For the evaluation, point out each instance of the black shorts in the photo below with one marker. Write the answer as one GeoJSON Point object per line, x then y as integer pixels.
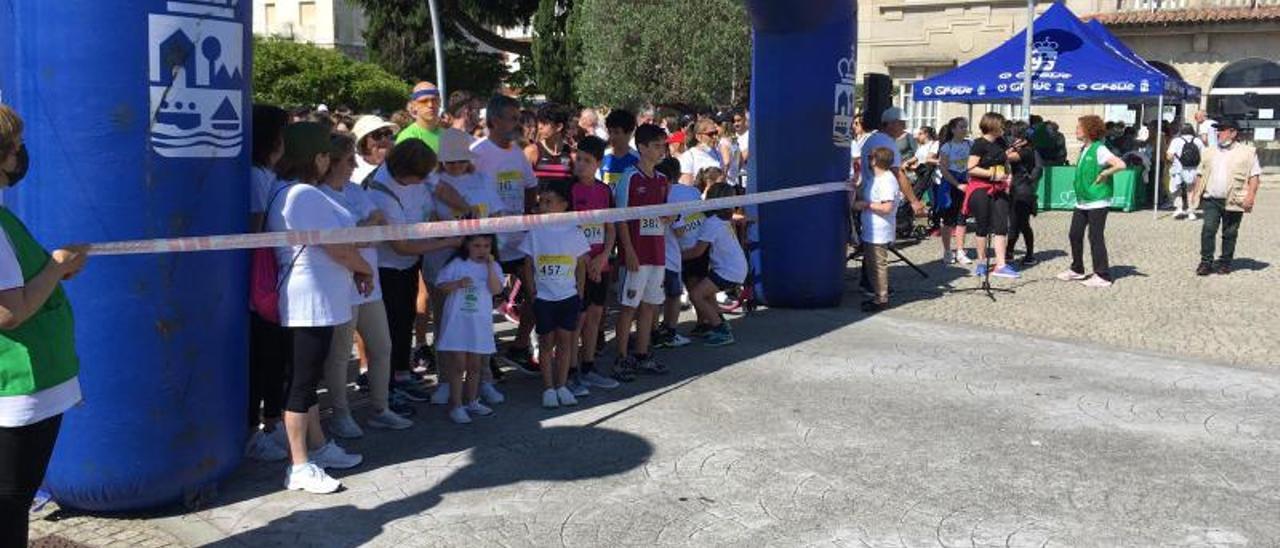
{"type": "Point", "coordinates": [721, 283]}
{"type": "Point", "coordinates": [596, 293]}
{"type": "Point", "coordinates": [514, 268]}
{"type": "Point", "coordinates": [693, 270]}
{"type": "Point", "coordinates": [990, 212]}
{"type": "Point", "coordinates": [671, 285]}
{"type": "Point", "coordinates": [553, 315]}
{"type": "Point", "coordinates": [952, 216]}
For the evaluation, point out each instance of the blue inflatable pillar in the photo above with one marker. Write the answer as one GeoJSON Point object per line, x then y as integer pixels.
{"type": "Point", "coordinates": [136, 120]}
{"type": "Point", "coordinates": [802, 98]}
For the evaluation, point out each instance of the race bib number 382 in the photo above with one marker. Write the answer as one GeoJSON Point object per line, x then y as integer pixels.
{"type": "Point", "coordinates": [651, 226]}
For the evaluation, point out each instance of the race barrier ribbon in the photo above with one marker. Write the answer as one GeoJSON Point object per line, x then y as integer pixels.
{"type": "Point", "coordinates": [448, 229]}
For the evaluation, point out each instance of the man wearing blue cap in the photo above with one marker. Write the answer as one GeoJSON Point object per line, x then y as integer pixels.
{"type": "Point", "coordinates": [424, 104]}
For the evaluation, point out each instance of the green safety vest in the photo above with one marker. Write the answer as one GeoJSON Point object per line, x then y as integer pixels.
{"type": "Point", "coordinates": [41, 353]}
{"type": "Point", "coordinates": [1086, 172]}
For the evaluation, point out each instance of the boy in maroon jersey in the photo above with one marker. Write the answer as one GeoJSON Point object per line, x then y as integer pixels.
{"type": "Point", "coordinates": [642, 244]}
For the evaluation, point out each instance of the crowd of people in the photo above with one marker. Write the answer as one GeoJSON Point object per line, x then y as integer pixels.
{"type": "Point", "coordinates": [418, 309]}
{"type": "Point", "coordinates": [990, 184]}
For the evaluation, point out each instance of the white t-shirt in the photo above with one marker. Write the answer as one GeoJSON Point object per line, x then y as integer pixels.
{"type": "Point", "coordinates": [467, 322]}
{"type": "Point", "coordinates": [727, 258]}
{"type": "Point", "coordinates": [261, 181]}
{"type": "Point", "coordinates": [879, 229]}
{"type": "Point", "coordinates": [1220, 180]}
{"type": "Point", "coordinates": [480, 193]}
{"type": "Point", "coordinates": [1104, 156]}
{"type": "Point", "coordinates": [403, 204]}
{"type": "Point", "coordinates": [1206, 128]}
{"type": "Point", "coordinates": [955, 154]}
{"type": "Point", "coordinates": [1175, 150]}
{"type": "Point", "coordinates": [695, 160]}
{"type": "Point", "coordinates": [29, 409]}
{"type": "Point", "coordinates": [922, 158]}
{"type": "Point", "coordinates": [555, 251]}
{"type": "Point", "coordinates": [317, 291]}
{"type": "Point", "coordinates": [355, 200]}
{"type": "Point", "coordinates": [679, 193]}
{"type": "Point", "coordinates": [878, 140]}
{"type": "Point", "coordinates": [363, 169]}
{"type": "Point", "coordinates": [514, 175]}
{"type": "Point", "coordinates": [744, 141]}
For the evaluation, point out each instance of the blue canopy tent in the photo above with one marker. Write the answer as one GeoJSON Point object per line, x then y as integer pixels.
{"type": "Point", "coordinates": [1071, 62]}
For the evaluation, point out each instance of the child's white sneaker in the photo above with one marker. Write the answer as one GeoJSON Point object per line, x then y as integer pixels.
{"type": "Point", "coordinates": [550, 400]}
{"type": "Point", "coordinates": [459, 415]}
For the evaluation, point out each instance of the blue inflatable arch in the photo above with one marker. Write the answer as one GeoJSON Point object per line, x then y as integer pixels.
{"type": "Point", "coordinates": [137, 117]}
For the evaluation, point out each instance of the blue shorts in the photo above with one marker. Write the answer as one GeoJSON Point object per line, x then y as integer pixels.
{"type": "Point", "coordinates": [721, 283]}
{"type": "Point", "coordinates": [671, 285]}
{"type": "Point", "coordinates": [552, 315]}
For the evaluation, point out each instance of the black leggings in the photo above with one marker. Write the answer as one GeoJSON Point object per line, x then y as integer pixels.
{"type": "Point", "coordinates": [24, 458]}
{"type": "Point", "coordinates": [1021, 226]}
{"type": "Point", "coordinates": [310, 350]}
{"type": "Point", "coordinates": [400, 295]}
{"type": "Point", "coordinates": [268, 358]}
{"type": "Point", "coordinates": [1096, 220]}
{"type": "Point", "coordinates": [990, 213]}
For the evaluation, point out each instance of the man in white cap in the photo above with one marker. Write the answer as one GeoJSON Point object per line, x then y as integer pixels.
{"type": "Point", "coordinates": [374, 137]}
{"type": "Point", "coordinates": [892, 126]}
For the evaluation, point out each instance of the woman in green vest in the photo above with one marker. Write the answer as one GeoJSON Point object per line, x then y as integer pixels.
{"type": "Point", "coordinates": [1094, 190]}
{"type": "Point", "coordinates": [38, 363]}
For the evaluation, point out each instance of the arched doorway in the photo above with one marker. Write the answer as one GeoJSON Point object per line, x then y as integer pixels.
{"type": "Point", "coordinates": [1248, 91]}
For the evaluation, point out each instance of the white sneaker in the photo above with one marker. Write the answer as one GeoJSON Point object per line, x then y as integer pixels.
{"type": "Point", "coordinates": [1069, 275]}
{"type": "Point", "coordinates": [261, 448]}
{"type": "Point", "coordinates": [1191, 216]}
{"type": "Point", "coordinates": [389, 420]}
{"type": "Point", "coordinates": [310, 478]}
{"type": "Point", "coordinates": [441, 395]}
{"type": "Point", "coordinates": [1097, 282]}
{"type": "Point", "coordinates": [491, 394]}
{"type": "Point", "coordinates": [596, 380]}
{"type": "Point", "coordinates": [565, 396]}
{"type": "Point", "coordinates": [948, 257]}
{"type": "Point", "coordinates": [478, 409]}
{"type": "Point", "coordinates": [962, 257]}
{"type": "Point", "coordinates": [345, 427]}
{"type": "Point", "coordinates": [459, 415]}
{"type": "Point", "coordinates": [331, 456]}
{"type": "Point", "coordinates": [679, 340]}
{"type": "Point", "coordinates": [550, 399]}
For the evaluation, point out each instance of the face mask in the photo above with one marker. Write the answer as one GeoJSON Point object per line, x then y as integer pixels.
{"type": "Point", "coordinates": [1225, 143]}
{"type": "Point", "coordinates": [19, 172]}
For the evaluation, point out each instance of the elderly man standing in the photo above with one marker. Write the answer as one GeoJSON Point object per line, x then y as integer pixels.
{"type": "Point", "coordinates": [424, 104]}
{"type": "Point", "coordinates": [1228, 184]}
{"type": "Point", "coordinates": [589, 121]}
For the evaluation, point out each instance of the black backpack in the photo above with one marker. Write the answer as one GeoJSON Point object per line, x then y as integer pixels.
{"type": "Point", "coordinates": [1190, 155]}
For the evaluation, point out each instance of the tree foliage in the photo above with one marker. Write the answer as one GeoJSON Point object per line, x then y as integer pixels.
{"type": "Point", "coordinates": [662, 52]}
{"type": "Point", "coordinates": [552, 59]}
{"type": "Point", "coordinates": [399, 38]}
{"type": "Point", "coordinates": [289, 73]}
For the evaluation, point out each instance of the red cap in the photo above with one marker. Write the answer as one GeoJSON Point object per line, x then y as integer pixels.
{"type": "Point", "coordinates": [677, 137]}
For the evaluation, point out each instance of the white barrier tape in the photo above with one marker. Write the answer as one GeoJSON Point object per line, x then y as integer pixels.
{"type": "Point", "coordinates": [448, 229]}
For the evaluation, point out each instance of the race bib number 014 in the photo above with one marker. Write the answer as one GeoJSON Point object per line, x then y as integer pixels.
{"type": "Point", "coordinates": [594, 233]}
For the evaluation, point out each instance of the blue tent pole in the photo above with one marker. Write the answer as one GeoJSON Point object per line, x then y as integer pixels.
{"type": "Point", "coordinates": [1159, 154]}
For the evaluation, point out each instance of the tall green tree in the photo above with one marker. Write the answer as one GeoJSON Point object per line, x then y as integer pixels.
{"type": "Point", "coordinates": [289, 73]}
{"type": "Point", "coordinates": [552, 59]}
{"type": "Point", "coordinates": [673, 52]}
{"type": "Point", "coordinates": [399, 38]}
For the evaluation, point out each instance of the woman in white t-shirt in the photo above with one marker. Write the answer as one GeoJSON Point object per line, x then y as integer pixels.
{"type": "Point", "coordinates": [39, 371]}
{"type": "Point", "coordinates": [317, 286]}
{"type": "Point", "coordinates": [369, 315]}
{"type": "Point", "coordinates": [702, 155]}
{"type": "Point", "coordinates": [730, 153]}
{"type": "Point", "coordinates": [469, 281]}
{"type": "Point", "coordinates": [953, 164]}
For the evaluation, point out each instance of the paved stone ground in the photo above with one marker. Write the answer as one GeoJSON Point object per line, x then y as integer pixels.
{"type": "Point", "coordinates": [840, 430]}
{"type": "Point", "coordinates": [1157, 303]}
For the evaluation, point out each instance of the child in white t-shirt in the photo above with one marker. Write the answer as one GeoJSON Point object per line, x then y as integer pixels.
{"type": "Point", "coordinates": [726, 268]}
{"type": "Point", "coordinates": [469, 280]}
{"type": "Point", "coordinates": [557, 262]}
{"type": "Point", "coordinates": [878, 204]}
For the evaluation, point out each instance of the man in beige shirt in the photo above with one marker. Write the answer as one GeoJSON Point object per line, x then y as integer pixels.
{"type": "Point", "coordinates": [1227, 185]}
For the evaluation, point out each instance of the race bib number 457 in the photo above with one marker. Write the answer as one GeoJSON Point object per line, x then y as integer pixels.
{"type": "Point", "coordinates": [552, 267]}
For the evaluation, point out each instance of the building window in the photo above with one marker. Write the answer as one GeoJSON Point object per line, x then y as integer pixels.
{"type": "Point", "coordinates": [269, 16]}
{"type": "Point", "coordinates": [919, 114]}
{"type": "Point", "coordinates": [307, 19]}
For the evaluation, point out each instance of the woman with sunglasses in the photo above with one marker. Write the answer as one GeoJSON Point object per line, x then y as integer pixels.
{"type": "Point", "coordinates": [374, 138]}
{"type": "Point", "coordinates": [704, 153]}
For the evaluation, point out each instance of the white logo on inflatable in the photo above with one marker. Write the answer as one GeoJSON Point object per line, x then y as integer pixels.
{"type": "Point", "coordinates": [842, 110]}
{"type": "Point", "coordinates": [197, 80]}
